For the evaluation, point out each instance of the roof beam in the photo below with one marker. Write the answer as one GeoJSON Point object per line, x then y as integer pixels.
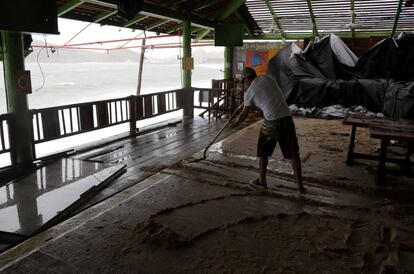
{"type": "Point", "coordinates": [312, 15]}
{"type": "Point", "coordinates": [397, 18]}
{"type": "Point", "coordinates": [107, 4]}
{"type": "Point", "coordinates": [229, 9]}
{"type": "Point", "coordinates": [196, 30]}
{"type": "Point", "coordinates": [202, 34]}
{"type": "Point", "coordinates": [158, 12]}
{"type": "Point", "coordinates": [299, 36]}
{"type": "Point", "coordinates": [202, 4]}
{"type": "Point", "coordinates": [245, 24]}
{"type": "Point", "coordinates": [156, 24]}
{"type": "Point", "coordinates": [138, 17]}
{"type": "Point", "coordinates": [65, 8]}
{"type": "Point", "coordinates": [169, 3]}
{"type": "Point", "coordinates": [162, 13]}
{"type": "Point", "coordinates": [173, 28]}
{"type": "Point", "coordinates": [275, 18]}
{"type": "Point", "coordinates": [103, 15]}
{"type": "Point", "coordinates": [353, 16]}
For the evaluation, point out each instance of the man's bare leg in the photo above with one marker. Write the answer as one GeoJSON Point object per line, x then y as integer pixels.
{"type": "Point", "coordinates": [263, 161]}
{"type": "Point", "coordinates": [297, 171]}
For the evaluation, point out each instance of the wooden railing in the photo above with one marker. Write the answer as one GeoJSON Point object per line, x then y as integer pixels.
{"type": "Point", "coordinates": [5, 120]}
{"type": "Point", "coordinates": [154, 104]}
{"type": "Point", "coordinates": [223, 98]}
{"type": "Point", "coordinates": [64, 121]}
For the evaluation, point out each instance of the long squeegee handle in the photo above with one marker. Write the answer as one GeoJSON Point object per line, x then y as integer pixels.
{"type": "Point", "coordinates": [221, 130]}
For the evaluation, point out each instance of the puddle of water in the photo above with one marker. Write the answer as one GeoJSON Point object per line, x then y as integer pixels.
{"type": "Point", "coordinates": [28, 203]}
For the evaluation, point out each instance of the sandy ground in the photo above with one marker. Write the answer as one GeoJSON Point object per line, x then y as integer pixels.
{"type": "Point", "coordinates": [202, 217]}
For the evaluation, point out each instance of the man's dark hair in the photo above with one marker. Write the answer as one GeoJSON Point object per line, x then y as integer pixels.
{"type": "Point", "coordinates": [248, 72]}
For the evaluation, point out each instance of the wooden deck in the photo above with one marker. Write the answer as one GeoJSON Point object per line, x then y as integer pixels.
{"type": "Point", "coordinates": [149, 153]}
{"type": "Point", "coordinates": [124, 160]}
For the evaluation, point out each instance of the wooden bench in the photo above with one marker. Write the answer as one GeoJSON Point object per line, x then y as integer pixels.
{"type": "Point", "coordinates": [383, 128]}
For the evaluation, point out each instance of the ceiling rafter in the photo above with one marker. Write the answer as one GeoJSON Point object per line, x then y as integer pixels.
{"type": "Point", "coordinates": [229, 9]}
{"type": "Point", "coordinates": [296, 17]}
{"type": "Point", "coordinates": [353, 17]}
{"type": "Point", "coordinates": [202, 5]}
{"type": "Point", "coordinates": [103, 15]}
{"type": "Point", "coordinates": [245, 24]}
{"type": "Point", "coordinates": [161, 22]}
{"type": "Point", "coordinates": [173, 28]}
{"type": "Point", "coordinates": [302, 35]}
{"type": "Point", "coordinates": [275, 18]}
{"type": "Point", "coordinates": [225, 12]}
{"type": "Point", "coordinates": [149, 10]}
{"type": "Point", "coordinates": [312, 15]}
{"type": "Point", "coordinates": [140, 17]}
{"type": "Point", "coordinates": [397, 17]}
{"type": "Point", "coordinates": [156, 24]}
{"type": "Point", "coordinates": [68, 7]}
{"type": "Point", "coordinates": [163, 13]}
{"type": "Point", "coordinates": [202, 34]}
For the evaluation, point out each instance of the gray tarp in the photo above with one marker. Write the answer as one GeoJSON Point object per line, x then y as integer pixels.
{"type": "Point", "coordinates": [327, 72]}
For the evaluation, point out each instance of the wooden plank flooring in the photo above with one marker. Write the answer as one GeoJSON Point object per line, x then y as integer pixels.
{"type": "Point", "coordinates": [147, 154]}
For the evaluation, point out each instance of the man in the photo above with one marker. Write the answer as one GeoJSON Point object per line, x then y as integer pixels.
{"type": "Point", "coordinates": [264, 92]}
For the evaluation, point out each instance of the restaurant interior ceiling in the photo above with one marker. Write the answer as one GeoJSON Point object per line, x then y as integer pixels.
{"type": "Point", "coordinates": [261, 19]}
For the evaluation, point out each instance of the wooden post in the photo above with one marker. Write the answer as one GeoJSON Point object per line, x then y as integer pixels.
{"type": "Point", "coordinates": [141, 65]}
{"type": "Point", "coordinates": [21, 132]}
{"type": "Point", "coordinates": [186, 80]}
{"type": "Point", "coordinates": [132, 115]}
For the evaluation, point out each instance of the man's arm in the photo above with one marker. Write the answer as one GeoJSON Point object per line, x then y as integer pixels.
{"type": "Point", "coordinates": [242, 116]}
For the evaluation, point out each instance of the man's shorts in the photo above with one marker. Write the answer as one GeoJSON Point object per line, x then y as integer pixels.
{"type": "Point", "coordinates": [282, 130]}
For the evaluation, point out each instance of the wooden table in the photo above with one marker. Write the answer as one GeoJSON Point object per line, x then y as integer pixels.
{"type": "Point", "coordinates": [405, 134]}
{"type": "Point", "coordinates": [385, 129]}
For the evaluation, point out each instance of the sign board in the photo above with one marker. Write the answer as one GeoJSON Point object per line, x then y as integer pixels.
{"type": "Point", "coordinates": [23, 82]}
{"type": "Point", "coordinates": [29, 16]}
{"type": "Point", "coordinates": [188, 63]}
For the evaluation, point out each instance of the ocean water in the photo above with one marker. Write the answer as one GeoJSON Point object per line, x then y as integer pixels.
{"type": "Point", "coordinates": [68, 83]}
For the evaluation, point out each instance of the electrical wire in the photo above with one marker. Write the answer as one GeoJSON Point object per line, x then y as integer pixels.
{"type": "Point", "coordinates": [46, 46]}
{"type": "Point", "coordinates": [41, 70]}
{"type": "Point", "coordinates": [40, 67]}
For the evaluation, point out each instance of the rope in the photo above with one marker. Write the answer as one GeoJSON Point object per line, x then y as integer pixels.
{"type": "Point", "coordinates": [121, 40]}
{"type": "Point", "coordinates": [76, 35]}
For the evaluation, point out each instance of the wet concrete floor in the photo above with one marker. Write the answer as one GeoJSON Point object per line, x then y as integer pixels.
{"type": "Point", "coordinates": [202, 217]}
{"type": "Point", "coordinates": [26, 204]}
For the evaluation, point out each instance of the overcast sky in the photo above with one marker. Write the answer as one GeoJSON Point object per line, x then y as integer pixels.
{"type": "Point", "coordinates": [95, 32]}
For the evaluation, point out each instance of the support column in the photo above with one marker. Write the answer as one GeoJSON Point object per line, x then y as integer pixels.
{"type": "Point", "coordinates": [228, 62]}
{"type": "Point", "coordinates": [22, 151]}
{"type": "Point", "coordinates": [141, 66]}
{"type": "Point", "coordinates": [186, 80]}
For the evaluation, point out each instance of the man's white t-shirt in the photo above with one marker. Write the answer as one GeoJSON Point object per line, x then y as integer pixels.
{"type": "Point", "coordinates": [265, 93]}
